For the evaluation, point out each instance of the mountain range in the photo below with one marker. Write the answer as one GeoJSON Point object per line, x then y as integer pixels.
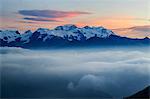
{"type": "Point", "coordinates": [67, 36]}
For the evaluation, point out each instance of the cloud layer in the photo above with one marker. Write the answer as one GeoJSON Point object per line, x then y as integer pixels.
{"type": "Point", "coordinates": [49, 15]}
{"type": "Point", "coordinates": [72, 73]}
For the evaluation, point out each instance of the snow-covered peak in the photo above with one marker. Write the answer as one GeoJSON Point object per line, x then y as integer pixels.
{"type": "Point", "coordinates": [9, 35]}
{"type": "Point", "coordinates": [87, 27]}
{"type": "Point", "coordinates": [27, 32]}
{"type": "Point", "coordinates": [66, 27]}
{"type": "Point", "coordinates": [42, 30]}
{"type": "Point", "coordinates": [96, 31]}
{"type": "Point", "coordinates": [25, 36]}
{"type": "Point", "coordinates": [71, 32]}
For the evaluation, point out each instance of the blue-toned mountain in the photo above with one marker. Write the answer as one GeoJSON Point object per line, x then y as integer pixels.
{"type": "Point", "coordinates": [67, 36]}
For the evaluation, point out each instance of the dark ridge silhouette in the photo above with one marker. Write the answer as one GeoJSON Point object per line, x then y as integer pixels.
{"type": "Point", "coordinates": [143, 94]}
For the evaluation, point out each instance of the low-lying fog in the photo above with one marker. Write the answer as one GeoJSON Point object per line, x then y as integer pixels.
{"type": "Point", "coordinates": [73, 73]}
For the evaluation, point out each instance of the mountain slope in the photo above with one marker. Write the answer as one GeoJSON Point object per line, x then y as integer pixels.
{"type": "Point", "coordinates": [143, 94]}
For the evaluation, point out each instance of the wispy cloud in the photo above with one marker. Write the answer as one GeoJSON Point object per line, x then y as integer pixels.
{"type": "Point", "coordinates": [134, 32]}
{"type": "Point", "coordinates": [49, 15]}
{"type": "Point", "coordinates": [41, 19]}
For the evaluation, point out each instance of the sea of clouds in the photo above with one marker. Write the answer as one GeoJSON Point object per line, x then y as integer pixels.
{"type": "Point", "coordinates": [73, 73]}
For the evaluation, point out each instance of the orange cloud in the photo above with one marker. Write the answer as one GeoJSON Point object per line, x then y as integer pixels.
{"type": "Point", "coordinates": [48, 15]}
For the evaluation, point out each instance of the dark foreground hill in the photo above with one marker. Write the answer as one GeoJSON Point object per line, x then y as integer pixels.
{"type": "Point", "coordinates": [143, 94]}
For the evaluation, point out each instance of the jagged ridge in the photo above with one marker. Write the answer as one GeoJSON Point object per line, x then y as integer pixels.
{"type": "Point", "coordinates": [67, 35]}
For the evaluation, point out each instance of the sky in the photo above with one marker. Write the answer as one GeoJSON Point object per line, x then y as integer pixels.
{"type": "Point", "coordinates": [112, 14]}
